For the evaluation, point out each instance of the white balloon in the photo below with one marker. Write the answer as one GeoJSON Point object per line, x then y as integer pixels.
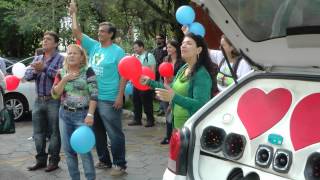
{"type": "Point", "coordinates": [18, 69]}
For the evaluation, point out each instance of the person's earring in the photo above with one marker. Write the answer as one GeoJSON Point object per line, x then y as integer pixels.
{"type": "Point", "coordinates": [198, 56]}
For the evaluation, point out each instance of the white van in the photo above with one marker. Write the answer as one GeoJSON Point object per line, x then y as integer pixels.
{"type": "Point", "coordinates": [265, 126]}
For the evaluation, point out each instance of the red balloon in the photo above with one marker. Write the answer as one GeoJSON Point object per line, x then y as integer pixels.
{"type": "Point", "coordinates": [166, 69]}
{"type": "Point", "coordinates": [136, 83]}
{"type": "Point", "coordinates": [146, 71]}
{"type": "Point", "coordinates": [130, 67]}
{"type": "Point", "coordinates": [12, 82]}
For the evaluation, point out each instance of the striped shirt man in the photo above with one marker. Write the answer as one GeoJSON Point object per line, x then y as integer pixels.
{"type": "Point", "coordinates": [44, 80]}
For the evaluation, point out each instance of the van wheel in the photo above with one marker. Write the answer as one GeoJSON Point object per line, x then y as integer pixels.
{"type": "Point", "coordinates": [18, 104]}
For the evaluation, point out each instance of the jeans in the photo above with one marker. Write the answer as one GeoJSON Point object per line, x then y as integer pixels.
{"type": "Point", "coordinates": [145, 99]}
{"type": "Point", "coordinates": [45, 121]}
{"type": "Point", "coordinates": [111, 119]}
{"type": "Point", "coordinates": [69, 122]}
{"type": "Point", "coordinates": [101, 139]}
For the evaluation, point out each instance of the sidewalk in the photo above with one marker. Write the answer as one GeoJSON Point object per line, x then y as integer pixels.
{"type": "Point", "coordinates": [161, 120]}
{"type": "Point", "coordinates": [147, 159]}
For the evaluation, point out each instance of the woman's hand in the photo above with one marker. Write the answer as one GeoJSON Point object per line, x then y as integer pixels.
{"type": "Point", "coordinates": [165, 94]}
{"type": "Point", "coordinates": [70, 76]}
{"type": "Point", "coordinates": [185, 29]}
{"type": "Point", "coordinates": [88, 120]}
{"type": "Point", "coordinates": [144, 80]}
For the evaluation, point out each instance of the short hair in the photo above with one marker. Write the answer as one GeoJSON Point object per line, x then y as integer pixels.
{"type": "Point", "coordinates": [111, 28]}
{"type": "Point", "coordinates": [53, 34]}
{"type": "Point", "coordinates": [139, 43]}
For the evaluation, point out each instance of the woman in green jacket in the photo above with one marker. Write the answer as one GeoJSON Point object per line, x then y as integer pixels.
{"type": "Point", "coordinates": [194, 83]}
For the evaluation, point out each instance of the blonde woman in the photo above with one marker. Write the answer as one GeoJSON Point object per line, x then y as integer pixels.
{"type": "Point", "coordinates": [76, 84]}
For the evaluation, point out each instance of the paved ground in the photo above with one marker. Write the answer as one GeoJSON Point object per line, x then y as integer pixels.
{"type": "Point", "coordinates": [147, 159]}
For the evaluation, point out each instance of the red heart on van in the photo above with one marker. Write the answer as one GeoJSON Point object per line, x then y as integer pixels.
{"type": "Point", "coordinates": [305, 122]}
{"type": "Point", "coordinates": [259, 111]}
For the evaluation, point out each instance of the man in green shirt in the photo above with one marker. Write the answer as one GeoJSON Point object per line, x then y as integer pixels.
{"type": "Point", "coordinates": [104, 57]}
{"type": "Point", "coordinates": [143, 98]}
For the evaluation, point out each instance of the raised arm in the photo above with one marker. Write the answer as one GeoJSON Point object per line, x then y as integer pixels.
{"type": "Point", "coordinates": [75, 26]}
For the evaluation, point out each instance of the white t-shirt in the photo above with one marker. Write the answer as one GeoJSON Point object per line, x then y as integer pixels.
{"type": "Point", "coordinates": [217, 56]}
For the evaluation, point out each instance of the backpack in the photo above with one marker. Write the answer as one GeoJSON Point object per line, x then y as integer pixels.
{"type": "Point", "coordinates": [6, 121]}
{"type": "Point", "coordinates": [146, 57]}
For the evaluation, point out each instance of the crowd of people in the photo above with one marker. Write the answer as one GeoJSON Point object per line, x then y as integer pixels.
{"type": "Point", "coordinates": [85, 88]}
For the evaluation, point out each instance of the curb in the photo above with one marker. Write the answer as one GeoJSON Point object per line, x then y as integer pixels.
{"type": "Point", "coordinates": [128, 115]}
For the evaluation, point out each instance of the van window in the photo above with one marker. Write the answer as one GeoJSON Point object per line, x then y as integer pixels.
{"type": "Point", "coordinates": [261, 20]}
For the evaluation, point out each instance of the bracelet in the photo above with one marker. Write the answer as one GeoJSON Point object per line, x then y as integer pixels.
{"type": "Point", "coordinates": [90, 115]}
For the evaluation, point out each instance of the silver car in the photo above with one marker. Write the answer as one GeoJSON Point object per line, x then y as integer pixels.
{"type": "Point", "coordinates": [20, 100]}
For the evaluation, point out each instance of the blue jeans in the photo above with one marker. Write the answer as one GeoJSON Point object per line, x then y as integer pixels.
{"type": "Point", "coordinates": [45, 121]}
{"type": "Point", "coordinates": [69, 122]}
{"type": "Point", "coordinates": [101, 140]}
{"type": "Point", "coordinates": [111, 119]}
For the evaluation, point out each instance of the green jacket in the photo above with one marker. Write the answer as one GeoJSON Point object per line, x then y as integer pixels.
{"type": "Point", "coordinates": [199, 91]}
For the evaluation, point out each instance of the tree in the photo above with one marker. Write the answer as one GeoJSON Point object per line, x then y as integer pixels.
{"type": "Point", "coordinates": [24, 21]}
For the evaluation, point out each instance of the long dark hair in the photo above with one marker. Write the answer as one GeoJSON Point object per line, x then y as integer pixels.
{"type": "Point", "coordinates": [176, 45]}
{"type": "Point", "coordinates": [179, 61]}
{"type": "Point", "coordinates": [204, 58]}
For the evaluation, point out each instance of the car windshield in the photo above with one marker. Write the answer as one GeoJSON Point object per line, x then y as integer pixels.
{"type": "Point", "coordinates": [10, 63]}
{"type": "Point", "coordinates": [265, 19]}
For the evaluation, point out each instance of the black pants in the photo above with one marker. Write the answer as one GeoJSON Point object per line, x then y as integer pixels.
{"type": "Point", "coordinates": [145, 99]}
{"type": "Point", "coordinates": [168, 115]}
{"type": "Point", "coordinates": [169, 124]}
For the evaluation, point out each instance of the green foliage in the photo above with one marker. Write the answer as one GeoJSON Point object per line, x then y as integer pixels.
{"type": "Point", "coordinates": [24, 21]}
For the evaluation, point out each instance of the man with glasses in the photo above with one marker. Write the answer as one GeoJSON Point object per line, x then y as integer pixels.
{"type": "Point", "coordinates": [104, 57]}
{"type": "Point", "coordinates": [160, 52]}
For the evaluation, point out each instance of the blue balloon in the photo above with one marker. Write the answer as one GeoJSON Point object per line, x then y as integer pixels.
{"type": "Point", "coordinates": [197, 29]}
{"type": "Point", "coordinates": [82, 140]}
{"type": "Point", "coordinates": [185, 15]}
{"type": "Point", "coordinates": [129, 89]}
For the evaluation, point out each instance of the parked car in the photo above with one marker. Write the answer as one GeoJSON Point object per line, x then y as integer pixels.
{"type": "Point", "coordinates": [266, 125]}
{"type": "Point", "coordinates": [20, 100]}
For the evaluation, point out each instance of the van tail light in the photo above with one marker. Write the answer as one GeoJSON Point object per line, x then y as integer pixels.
{"type": "Point", "coordinates": [178, 153]}
{"type": "Point", "coordinates": [174, 145]}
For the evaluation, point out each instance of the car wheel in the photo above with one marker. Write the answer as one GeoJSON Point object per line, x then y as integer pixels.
{"type": "Point", "coordinates": [18, 104]}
